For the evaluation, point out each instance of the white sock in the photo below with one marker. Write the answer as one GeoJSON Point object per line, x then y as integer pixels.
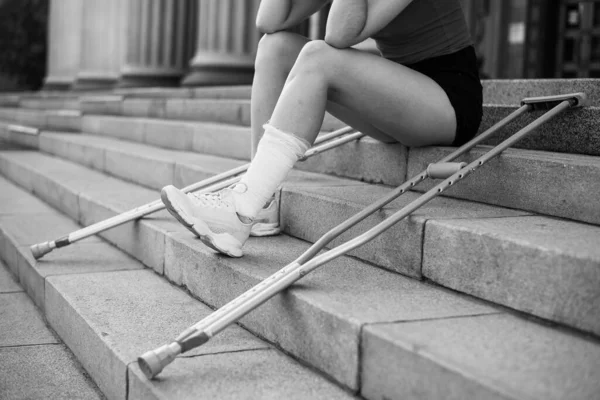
{"type": "Point", "coordinates": [275, 156]}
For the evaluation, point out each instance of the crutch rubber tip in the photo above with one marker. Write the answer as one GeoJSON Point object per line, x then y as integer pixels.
{"type": "Point", "coordinates": [153, 362]}
{"type": "Point", "coordinates": [40, 249]}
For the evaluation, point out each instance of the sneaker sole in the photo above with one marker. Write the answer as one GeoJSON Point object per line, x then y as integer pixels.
{"type": "Point", "coordinates": [221, 242]}
{"type": "Point", "coordinates": [261, 229]}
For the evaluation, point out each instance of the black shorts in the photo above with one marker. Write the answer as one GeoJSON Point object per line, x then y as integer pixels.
{"type": "Point", "coordinates": [457, 74]}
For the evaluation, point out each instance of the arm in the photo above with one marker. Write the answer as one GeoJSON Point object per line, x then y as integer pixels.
{"type": "Point", "coordinates": [278, 15]}
{"type": "Point", "coordinates": [352, 21]}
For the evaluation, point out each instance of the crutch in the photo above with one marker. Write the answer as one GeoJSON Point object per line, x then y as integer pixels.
{"type": "Point", "coordinates": [153, 362]}
{"type": "Point", "coordinates": [217, 182]}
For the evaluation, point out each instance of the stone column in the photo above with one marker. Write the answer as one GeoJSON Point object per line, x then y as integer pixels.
{"type": "Point", "coordinates": [226, 43]}
{"type": "Point", "coordinates": [159, 43]}
{"type": "Point", "coordinates": [64, 43]}
{"type": "Point", "coordinates": [101, 44]}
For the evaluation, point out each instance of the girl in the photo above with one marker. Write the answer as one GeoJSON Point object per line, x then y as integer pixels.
{"type": "Point", "coordinates": [422, 90]}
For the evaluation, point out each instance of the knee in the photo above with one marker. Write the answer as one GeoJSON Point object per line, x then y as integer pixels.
{"type": "Point", "coordinates": [316, 57]}
{"type": "Point", "coordinates": [275, 48]}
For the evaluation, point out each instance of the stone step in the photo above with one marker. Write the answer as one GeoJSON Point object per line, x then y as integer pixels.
{"type": "Point", "coordinates": [519, 246]}
{"type": "Point", "coordinates": [495, 91]}
{"type": "Point", "coordinates": [480, 357]}
{"type": "Point", "coordinates": [314, 314]}
{"type": "Point", "coordinates": [212, 92]}
{"type": "Point", "coordinates": [555, 184]}
{"type": "Point", "coordinates": [71, 100]}
{"type": "Point", "coordinates": [50, 103]}
{"type": "Point", "coordinates": [531, 263]}
{"type": "Point", "coordinates": [62, 120]}
{"type": "Point", "coordinates": [327, 320]}
{"type": "Point", "coordinates": [10, 99]}
{"type": "Point", "coordinates": [548, 183]}
{"type": "Point", "coordinates": [571, 132]}
{"type": "Point", "coordinates": [203, 137]}
{"type": "Point", "coordinates": [35, 363]}
{"type": "Point", "coordinates": [512, 91]}
{"type": "Point", "coordinates": [133, 161]}
{"type": "Point", "coordinates": [221, 110]}
{"type": "Point", "coordinates": [109, 310]}
{"type": "Point", "coordinates": [574, 131]}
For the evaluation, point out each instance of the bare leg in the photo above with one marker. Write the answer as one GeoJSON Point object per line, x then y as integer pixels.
{"type": "Point", "coordinates": [394, 100]}
{"type": "Point", "coordinates": [276, 56]}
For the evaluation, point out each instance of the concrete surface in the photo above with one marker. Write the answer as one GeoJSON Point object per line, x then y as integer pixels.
{"type": "Point", "coordinates": [81, 149]}
{"type": "Point", "coordinates": [8, 281]}
{"type": "Point", "coordinates": [75, 259]}
{"type": "Point", "coordinates": [127, 129]}
{"type": "Point", "coordinates": [319, 320]}
{"type": "Point", "coordinates": [34, 364]}
{"type": "Point", "coordinates": [325, 207]}
{"type": "Point", "coordinates": [543, 266]}
{"type": "Point", "coordinates": [8, 254]}
{"type": "Point", "coordinates": [208, 110]}
{"type": "Point", "coordinates": [258, 374]}
{"type": "Point", "coordinates": [169, 134]}
{"type": "Point", "coordinates": [64, 120]}
{"type": "Point", "coordinates": [21, 116]}
{"type": "Point", "coordinates": [56, 103]}
{"type": "Point", "coordinates": [109, 319]}
{"type": "Point", "coordinates": [43, 372]}
{"type": "Point", "coordinates": [32, 228]}
{"type": "Point", "coordinates": [366, 160]}
{"type": "Point", "coordinates": [140, 238]}
{"type": "Point", "coordinates": [15, 200]}
{"type": "Point", "coordinates": [574, 131]}
{"type": "Point", "coordinates": [109, 105]}
{"type": "Point", "coordinates": [562, 185]}
{"type": "Point", "coordinates": [94, 295]}
{"type": "Point", "coordinates": [21, 323]}
{"type": "Point", "coordinates": [512, 91]}
{"type": "Point", "coordinates": [309, 213]}
{"type": "Point", "coordinates": [491, 357]}
{"type": "Point", "coordinates": [222, 140]}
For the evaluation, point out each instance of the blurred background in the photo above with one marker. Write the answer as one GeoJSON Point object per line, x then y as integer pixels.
{"type": "Point", "coordinates": [87, 45]}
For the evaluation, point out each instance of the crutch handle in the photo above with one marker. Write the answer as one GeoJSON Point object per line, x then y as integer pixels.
{"type": "Point", "coordinates": [547, 102]}
{"type": "Point", "coordinates": [444, 170]}
{"type": "Point", "coordinates": [27, 130]}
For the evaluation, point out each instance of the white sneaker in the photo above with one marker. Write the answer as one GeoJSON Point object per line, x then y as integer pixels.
{"type": "Point", "coordinates": [266, 222]}
{"type": "Point", "coordinates": [211, 216]}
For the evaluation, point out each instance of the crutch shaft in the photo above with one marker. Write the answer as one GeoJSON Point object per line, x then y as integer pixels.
{"type": "Point", "coordinates": [432, 193]}
{"type": "Point", "coordinates": [218, 182]}
{"type": "Point", "coordinates": [328, 146]}
{"type": "Point", "coordinates": [338, 230]}
{"type": "Point", "coordinates": [279, 281]}
{"type": "Point", "coordinates": [203, 330]}
{"type": "Point", "coordinates": [329, 236]}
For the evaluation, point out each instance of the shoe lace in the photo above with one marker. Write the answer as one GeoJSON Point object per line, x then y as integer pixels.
{"type": "Point", "coordinates": [210, 199]}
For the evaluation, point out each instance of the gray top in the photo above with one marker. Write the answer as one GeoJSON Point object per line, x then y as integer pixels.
{"type": "Point", "coordinates": [424, 29]}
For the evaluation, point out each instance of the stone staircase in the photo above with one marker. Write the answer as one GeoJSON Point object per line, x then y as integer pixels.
{"type": "Point", "coordinates": [491, 291]}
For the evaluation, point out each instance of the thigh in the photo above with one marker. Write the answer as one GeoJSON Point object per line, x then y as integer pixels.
{"type": "Point", "coordinates": [391, 99]}
{"type": "Point", "coordinates": [282, 49]}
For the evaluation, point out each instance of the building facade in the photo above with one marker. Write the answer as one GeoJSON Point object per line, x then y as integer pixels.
{"type": "Point", "coordinates": [124, 43]}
